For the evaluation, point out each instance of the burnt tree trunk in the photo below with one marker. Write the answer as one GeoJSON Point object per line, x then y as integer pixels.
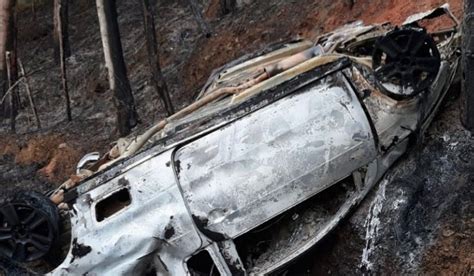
{"type": "Point", "coordinates": [228, 6]}
{"type": "Point", "coordinates": [29, 94]}
{"type": "Point", "coordinates": [6, 8]}
{"type": "Point", "coordinates": [199, 18]}
{"type": "Point", "coordinates": [33, 9]}
{"type": "Point", "coordinates": [12, 47]}
{"type": "Point", "coordinates": [61, 35]}
{"type": "Point", "coordinates": [8, 45]}
{"type": "Point", "coordinates": [468, 66]}
{"type": "Point", "coordinates": [114, 62]}
{"type": "Point", "coordinates": [11, 89]}
{"type": "Point", "coordinates": [154, 58]}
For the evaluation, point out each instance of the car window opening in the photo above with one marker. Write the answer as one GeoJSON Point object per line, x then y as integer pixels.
{"type": "Point", "coordinates": [112, 204]}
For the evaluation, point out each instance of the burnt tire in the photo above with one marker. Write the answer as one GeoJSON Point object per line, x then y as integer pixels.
{"type": "Point", "coordinates": [29, 226]}
{"type": "Point", "coordinates": [406, 62]}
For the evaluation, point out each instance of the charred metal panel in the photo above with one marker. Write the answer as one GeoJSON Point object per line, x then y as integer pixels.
{"type": "Point", "coordinates": [205, 120]}
{"type": "Point", "coordinates": [155, 221]}
{"type": "Point", "coordinates": [395, 120]}
{"type": "Point", "coordinates": [263, 164]}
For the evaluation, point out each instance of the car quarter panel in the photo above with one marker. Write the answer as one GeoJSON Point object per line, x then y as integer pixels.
{"type": "Point", "coordinates": [255, 168]}
{"type": "Point", "coordinates": [156, 221]}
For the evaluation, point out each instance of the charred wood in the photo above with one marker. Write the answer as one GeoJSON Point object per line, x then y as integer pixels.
{"type": "Point", "coordinates": [228, 6]}
{"type": "Point", "coordinates": [468, 66]}
{"type": "Point", "coordinates": [59, 20]}
{"type": "Point", "coordinates": [203, 25]}
{"type": "Point", "coordinates": [154, 57]}
{"type": "Point", "coordinates": [61, 34]}
{"type": "Point", "coordinates": [29, 95]}
{"type": "Point", "coordinates": [127, 116]}
{"type": "Point", "coordinates": [8, 44]}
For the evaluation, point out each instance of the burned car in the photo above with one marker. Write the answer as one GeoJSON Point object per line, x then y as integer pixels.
{"type": "Point", "coordinates": [275, 151]}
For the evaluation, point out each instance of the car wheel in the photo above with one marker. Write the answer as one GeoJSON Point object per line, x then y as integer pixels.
{"type": "Point", "coordinates": [406, 62]}
{"type": "Point", "coordinates": [29, 225]}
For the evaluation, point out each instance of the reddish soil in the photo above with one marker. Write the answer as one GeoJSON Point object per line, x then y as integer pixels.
{"type": "Point", "coordinates": [452, 253]}
{"type": "Point", "coordinates": [51, 152]}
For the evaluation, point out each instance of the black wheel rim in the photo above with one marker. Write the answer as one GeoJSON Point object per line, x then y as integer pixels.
{"type": "Point", "coordinates": [26, 233]}
{"type": "Point", "coordinates": [405, 62]}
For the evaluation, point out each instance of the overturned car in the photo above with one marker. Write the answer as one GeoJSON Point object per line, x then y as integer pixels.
{"type": "Point", "coordinates": [275, 151]}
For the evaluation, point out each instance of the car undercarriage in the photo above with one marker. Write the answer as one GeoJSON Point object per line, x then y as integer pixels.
{"type": "Point", "coordinates": [277, 149]}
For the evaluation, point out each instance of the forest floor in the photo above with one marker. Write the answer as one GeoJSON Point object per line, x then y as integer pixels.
{"type": "Point", "coordinates": [424, 208]}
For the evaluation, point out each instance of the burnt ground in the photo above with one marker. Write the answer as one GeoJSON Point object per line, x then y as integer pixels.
{"type": "Point", "coordinates": [418, 221]}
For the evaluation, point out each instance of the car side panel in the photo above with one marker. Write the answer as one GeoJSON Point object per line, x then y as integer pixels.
{"type": "Point", "coordinates": [255, 168]}
{"type": "Point", "coordinates": [156, 221]}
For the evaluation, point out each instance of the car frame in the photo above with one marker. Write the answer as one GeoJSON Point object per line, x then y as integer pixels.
{"type": "Point", "coordinates": [283, 161]}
